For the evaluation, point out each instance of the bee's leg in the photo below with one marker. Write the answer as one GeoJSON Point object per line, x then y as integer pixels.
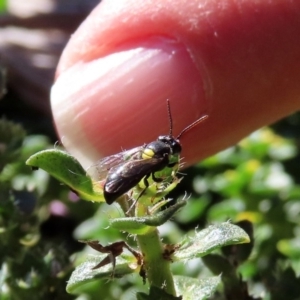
{"type": "Point", "coordinates": [155, 179]}
{"type": "Point", "coordinates": [141, 193]}
{"type": "Point", "coordinates": [172, 165]}
{"type": "Point", "coordinates": [146, 183]}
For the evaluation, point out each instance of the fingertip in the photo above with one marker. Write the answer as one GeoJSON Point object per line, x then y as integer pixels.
{"type": "Point", "coordinates": [119, 101]}
{"type": "Point", "coordinates": [129, 57]}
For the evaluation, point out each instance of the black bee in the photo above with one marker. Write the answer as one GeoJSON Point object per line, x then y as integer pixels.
{"type": "Point", "coordinates": [126, 169]}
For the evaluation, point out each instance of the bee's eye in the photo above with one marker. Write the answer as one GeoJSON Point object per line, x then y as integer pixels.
{"type": "Point", "coordinates": [172, 143]}
{"type": "Point", "coordinates": [176, 147]}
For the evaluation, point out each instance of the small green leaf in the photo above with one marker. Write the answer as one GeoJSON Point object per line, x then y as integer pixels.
{"type": "Point", "coordinates": [211, 238]}
{"type": "Point", "coordinates": [193, 288]}
{"type": "Point", "coordinates": [240, 253]}
{"type": "Point", "coordinates": [131, 225]}
{"type": "Point", "coordinates": [68, 170]}
{"type": "Point", "coordinates": [142, 225]}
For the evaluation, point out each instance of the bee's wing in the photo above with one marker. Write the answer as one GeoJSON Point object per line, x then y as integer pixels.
{"type": "Point", "coordinates": [99, 170]}
{"type": "Point", "coordinates": [130, 174]}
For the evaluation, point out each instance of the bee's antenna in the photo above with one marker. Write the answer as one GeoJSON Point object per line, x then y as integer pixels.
{"type": "Point", "coordinates": [191, 126]}
{"type": "Point", "coordinates": [170, 118]}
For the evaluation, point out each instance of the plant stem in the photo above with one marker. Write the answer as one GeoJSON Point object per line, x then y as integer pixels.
{"type": "Point", "coordinates": [157, 268]}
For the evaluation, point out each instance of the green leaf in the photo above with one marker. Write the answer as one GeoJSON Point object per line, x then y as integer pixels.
{"type": "Point", "coordinates": [84, 273]}
{"type": "Point", "coordinates": [289, 247]}
{"type": "Point", "coordinates": [68, 170]}
{"type": "Point", "coordinates": [142, 225]}
{"type": "Point", "coordinates": [193, 288]}
{"type": "Point", "coordinates": [295, 264]}
{"type": "Point", "coordinates": [209, 239]}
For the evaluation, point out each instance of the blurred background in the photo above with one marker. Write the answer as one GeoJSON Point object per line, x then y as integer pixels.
{"type": "Point", "coordinates": [32, 37]}
{"type": "Point", "coordinates": [255, 184]}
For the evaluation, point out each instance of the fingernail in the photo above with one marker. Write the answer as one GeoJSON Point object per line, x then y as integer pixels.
{"type": "Point", "coordinates": [147, 72]}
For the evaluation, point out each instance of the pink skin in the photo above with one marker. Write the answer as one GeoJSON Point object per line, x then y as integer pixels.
{"type": "Point", "coordinates": [237, 61]}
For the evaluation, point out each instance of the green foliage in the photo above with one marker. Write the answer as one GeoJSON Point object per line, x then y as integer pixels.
{"type": "Point", "coordinates": [3, 5]}
{"type": "Point", "coordinates": [68, 170]}
{"type": "Point", "coordinates": [254, 184]}
{"type": "Point", "coordinates": [152, 260]}
{"type": "Point", "coordinates": [30, 268]}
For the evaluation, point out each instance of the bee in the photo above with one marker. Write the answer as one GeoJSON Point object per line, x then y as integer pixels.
{"type": "Point", "coordinates": [124, 170]}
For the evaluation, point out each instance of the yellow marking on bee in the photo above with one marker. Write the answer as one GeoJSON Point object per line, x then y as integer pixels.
{"type": "Point", "coordinates": [147, 154]}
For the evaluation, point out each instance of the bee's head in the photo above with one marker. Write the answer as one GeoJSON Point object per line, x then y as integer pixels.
{"type": "Point", "coordinates": [173, 143]}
